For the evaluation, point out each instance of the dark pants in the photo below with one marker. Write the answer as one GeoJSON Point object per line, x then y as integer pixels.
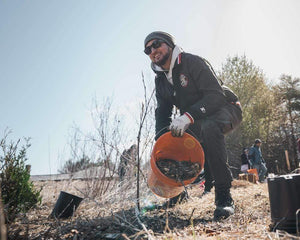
{"type": "Point", "coordinates": [261, 170]}
{"type": "Point", "coordinates": [211, 133]}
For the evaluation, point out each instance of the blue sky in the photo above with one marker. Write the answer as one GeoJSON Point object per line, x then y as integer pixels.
{"type": "Point", "coordinates": [55, 56]}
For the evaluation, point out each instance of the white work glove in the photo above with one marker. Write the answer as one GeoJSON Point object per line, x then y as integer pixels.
{"type": "Point", "coordinates": [180, 124]}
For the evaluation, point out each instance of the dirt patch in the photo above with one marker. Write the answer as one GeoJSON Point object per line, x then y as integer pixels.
{"type": "Point", "coordinates": [178, 170]}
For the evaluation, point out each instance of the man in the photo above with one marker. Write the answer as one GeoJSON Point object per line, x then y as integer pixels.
{"type": "Point", "coordinates": [257, 160]}
{"type": "Point", "coordinates": [188, 82]}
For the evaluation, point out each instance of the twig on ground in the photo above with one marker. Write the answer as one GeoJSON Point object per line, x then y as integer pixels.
{"type": "Point", "coordinates": [191, 215]}
{"type": "Point", "coordinates": [136, 235]}
{"type": "Point", "coordinates": [128, 223]}
{"type": "Point", "coordinates": [113, 217]}
{"type": "Point", "coordinates": [124, 214]}
{"type": "Point", "coordinates": [141, 223]}
{"type": "Point", "coordinates": [167, 228]}
{"type": "Point", "coordinates": [269, 236]}
{"type": "Point", "coordinates": [125, 236]}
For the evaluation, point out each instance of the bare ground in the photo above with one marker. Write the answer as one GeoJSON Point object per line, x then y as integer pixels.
{"type": "Point", "coordinates": [115, 216]}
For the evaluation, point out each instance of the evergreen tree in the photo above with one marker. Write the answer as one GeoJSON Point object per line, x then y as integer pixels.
{"type": "Point", "coordinates": [288, 101]}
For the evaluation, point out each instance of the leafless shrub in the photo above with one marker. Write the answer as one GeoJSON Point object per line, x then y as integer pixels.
{"type": "Point", "coordinates": [99, 149]}
{"type": "Point", "coordinates": [105, 146]}
{"type": "Point", "coordinates": [145, 139]}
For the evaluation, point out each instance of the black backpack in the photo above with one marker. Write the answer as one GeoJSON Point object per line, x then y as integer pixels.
{"type": "Point", "coordinates": [229, 94]}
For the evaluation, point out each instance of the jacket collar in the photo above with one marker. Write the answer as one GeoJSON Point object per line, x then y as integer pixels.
{"type": "Point", "coordinates": [175, 54]}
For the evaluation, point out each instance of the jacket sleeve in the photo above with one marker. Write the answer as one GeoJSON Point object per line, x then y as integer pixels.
{"type": "Point", "coordinates": [251, 155]}
{"type": "Point", "coordinates": [163, 114]}
{"type": "Point", "coordinates": [208, 86]}
{"type": "Point", "coordinates": [262, 159]}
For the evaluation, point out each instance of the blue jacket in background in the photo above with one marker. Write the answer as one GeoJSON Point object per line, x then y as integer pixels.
{"type": "Point", "coordinates": [255, 155]}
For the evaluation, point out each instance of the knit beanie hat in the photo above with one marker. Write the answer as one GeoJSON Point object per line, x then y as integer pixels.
{"type": "Point", "coordinates": [166, 37]}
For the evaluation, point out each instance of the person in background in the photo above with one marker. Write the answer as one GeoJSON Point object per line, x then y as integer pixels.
{"type": "Point", "coordinates": [207, 109]}
{"type": "Point", "coordinates": [127, 161]}
{"type": "Point", "coordinates": [257, 160]}
{"type": "Point", "coordinates": [245, 161]}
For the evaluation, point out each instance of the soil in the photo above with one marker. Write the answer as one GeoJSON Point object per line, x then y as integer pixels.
{"type": "Point", "coordinates": [114, 216]}
{"type": "Point", "coordinates": [178, 170]}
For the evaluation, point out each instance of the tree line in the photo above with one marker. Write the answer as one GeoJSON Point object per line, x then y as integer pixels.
{"type": "Point", "coordinates": [270, 112]}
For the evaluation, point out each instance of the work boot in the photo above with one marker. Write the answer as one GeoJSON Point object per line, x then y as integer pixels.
{"type": "Point", "coordinates": [182, 197]}
{"type": "Point", "coordinates": [224, 204]}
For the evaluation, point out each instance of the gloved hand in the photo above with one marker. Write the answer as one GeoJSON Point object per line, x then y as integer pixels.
{"type": "Point", "coordinates": [180, 124]}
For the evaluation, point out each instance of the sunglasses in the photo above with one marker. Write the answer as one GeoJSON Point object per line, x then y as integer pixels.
{"type": "Point", "coordinates": [156, 44]}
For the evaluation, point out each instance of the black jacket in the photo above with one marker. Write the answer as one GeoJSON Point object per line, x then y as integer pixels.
{"type": "Point", "coordinates": [244, 158]}
{"type": "Point", "coordinates": [195, 90]}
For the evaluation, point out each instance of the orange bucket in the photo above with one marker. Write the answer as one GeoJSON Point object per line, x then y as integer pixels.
{"type": "Point", "coordinates": [253, 171]}
{"type": "Point", "coordinates": [185, 148]}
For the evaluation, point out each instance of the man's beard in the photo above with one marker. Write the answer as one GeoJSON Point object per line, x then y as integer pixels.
{"type": "Point", "coordinates": [164, 59]}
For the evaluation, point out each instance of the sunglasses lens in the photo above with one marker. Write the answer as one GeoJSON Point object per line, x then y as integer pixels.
{"type": "Point", "coordinates": [147, 50]}
{"type": "Point", "coordinates": [156, 44]}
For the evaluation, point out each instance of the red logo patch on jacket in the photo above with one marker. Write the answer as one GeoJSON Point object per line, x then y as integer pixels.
{"type": "Point", "coordinates": [183, 80]}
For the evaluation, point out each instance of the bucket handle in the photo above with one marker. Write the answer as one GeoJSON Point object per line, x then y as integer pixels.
{"type": "Point", "coordinates": [160, 131]}
{"type": "Point", "coordinates": [187, 131]}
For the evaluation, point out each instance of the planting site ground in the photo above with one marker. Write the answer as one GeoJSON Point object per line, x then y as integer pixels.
{"type": "Point", "coordinates": [115, 216]}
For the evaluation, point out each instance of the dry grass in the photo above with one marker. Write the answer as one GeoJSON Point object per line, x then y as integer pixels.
{"type": "Point", "coordinates": [114, 215]}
